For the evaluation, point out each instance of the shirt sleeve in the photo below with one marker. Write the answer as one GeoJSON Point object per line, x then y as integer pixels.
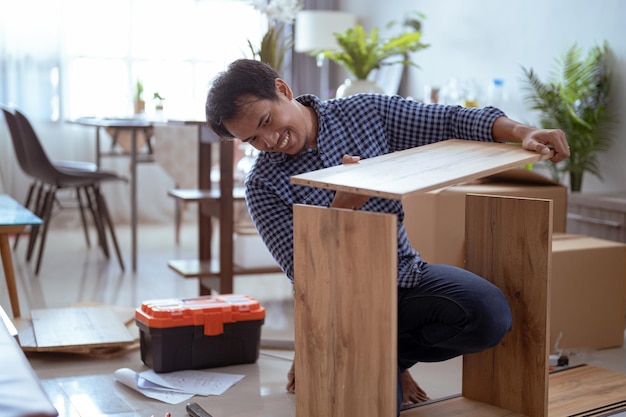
{"type": "Point", "coordinates": [272, 216]}
{"type": "Point", "coordinates": [409, 123]}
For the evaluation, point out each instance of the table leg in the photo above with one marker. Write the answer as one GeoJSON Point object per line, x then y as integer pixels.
{"type": "Point", "coordinates": [133, 198]}
{"type": "Point", "coordinates": [98, 147]}
{"type": "Point", "coordinates": [9, 273]}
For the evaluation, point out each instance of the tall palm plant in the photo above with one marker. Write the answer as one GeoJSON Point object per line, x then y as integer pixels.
{"type": "Point", "coordinates": [576, 100]}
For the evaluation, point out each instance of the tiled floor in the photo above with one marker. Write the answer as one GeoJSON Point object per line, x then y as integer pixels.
{"type": "Point", "coordinates": [72, 274]}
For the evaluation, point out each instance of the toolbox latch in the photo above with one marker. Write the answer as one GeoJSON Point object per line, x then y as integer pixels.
{"type": "Point", "coordinates": [213, 324]}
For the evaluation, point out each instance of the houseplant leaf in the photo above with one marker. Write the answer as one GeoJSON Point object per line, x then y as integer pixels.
{"type": "Point", "coordinates": [575, 99]}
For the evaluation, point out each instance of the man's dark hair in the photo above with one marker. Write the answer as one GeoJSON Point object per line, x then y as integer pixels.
{"type": "Point", "coordinates": [245, 80]}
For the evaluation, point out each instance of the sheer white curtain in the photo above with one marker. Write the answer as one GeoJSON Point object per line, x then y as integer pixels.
{"type": "Point", "coordinates": [63, 59]}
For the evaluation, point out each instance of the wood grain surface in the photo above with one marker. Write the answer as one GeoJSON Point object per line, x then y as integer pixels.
{"type": "Point", "coordinates": [345, 312]}
{"type": "Point", "coordinates": [508, 242]}
{"type": "Point", "coordinates": [79, 327]}
{"type": "Point", "coordinates": [572, 392]}
{"type": "Point", "coordinates": [425, 168]}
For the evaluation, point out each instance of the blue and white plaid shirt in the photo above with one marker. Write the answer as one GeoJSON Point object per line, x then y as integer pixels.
{"type": "Point", "coordinates": [365, 125]}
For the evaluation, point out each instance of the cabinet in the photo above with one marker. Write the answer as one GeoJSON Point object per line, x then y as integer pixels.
{"type": "Point", "coordinates": [214, 203]}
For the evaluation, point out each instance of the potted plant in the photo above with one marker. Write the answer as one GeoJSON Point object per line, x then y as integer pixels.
{"type": "Point", "coordinates": [361, 53]}
{"type": "Point", "coordinates": [575, 99]}
{"type": "Point", "coordinates": [158, 101]}
{"type": "Point", "coordinates": [278, 39]}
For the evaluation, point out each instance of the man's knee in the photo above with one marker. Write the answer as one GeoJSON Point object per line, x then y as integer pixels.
{"type": "Point", "coordinates": [493, 328]}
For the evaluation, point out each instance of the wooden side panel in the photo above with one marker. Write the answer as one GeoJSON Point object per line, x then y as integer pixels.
{"type": "Point", "coordinates": [508, 242]}
{"type": "Point", "coordinates": [345, 312]}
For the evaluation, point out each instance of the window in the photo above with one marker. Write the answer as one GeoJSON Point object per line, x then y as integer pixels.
{"type": "Point", "coordinates": [96, 51]}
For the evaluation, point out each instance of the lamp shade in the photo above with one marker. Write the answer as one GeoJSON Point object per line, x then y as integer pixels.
{"type": "Point", "coordinates": [314, 29]}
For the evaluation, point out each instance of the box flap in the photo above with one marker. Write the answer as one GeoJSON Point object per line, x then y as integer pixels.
{"type": "Point", "coordinates": [520, 175]}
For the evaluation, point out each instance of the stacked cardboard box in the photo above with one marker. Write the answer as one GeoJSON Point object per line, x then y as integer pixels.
{"type": "Point", "coordinates": [588, 292]}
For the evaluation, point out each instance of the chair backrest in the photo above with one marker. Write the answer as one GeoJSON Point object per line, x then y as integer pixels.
{"type": "Point", "coordinates": [39, 164]}
{"type": "Point", "coordinates": [16, 138]}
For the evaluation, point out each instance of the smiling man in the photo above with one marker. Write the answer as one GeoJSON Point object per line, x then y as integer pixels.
{"type": "Point", "coordinates": [443, 311]}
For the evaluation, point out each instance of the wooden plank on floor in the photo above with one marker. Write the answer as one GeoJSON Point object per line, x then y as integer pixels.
{"type": "Point", "coordinates": [508, 242]}
{"type": "Point", "coordinates": [345, 312]}
{"type": "Point", "coordinates": [585, 388]}
{"type": "Point", "coordinates": [79, 327]}
{"type": "Point", "coordinates": [400, 174]}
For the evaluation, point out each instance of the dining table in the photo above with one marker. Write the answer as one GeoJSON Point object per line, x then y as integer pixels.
{"type": "Point", "coordinates": [136, 127]}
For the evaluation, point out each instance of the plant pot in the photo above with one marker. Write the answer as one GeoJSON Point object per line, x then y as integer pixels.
{"type": "Point", "coordinates": [140, 106]}
{"type": "Point", "coordinates": [350, 87]}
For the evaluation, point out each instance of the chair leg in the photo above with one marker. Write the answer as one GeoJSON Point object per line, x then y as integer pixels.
{"type": "Point", "coordinates": [47, 215]}
{"type": "Point", "coordinates": [83, 220]}
{"type": "Point", "coordinates": [96, 212]}
{"type": "Point", "coordinates": [106, 217]}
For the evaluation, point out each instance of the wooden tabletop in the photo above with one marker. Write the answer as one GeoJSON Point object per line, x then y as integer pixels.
{"type": "Point", "coordinates": [400, 174]}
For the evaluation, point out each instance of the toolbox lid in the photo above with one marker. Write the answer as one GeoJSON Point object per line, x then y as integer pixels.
{"type": "Point", "coordinates": [210, 311]}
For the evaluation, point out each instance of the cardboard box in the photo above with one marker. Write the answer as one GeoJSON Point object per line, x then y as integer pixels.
{"type": "Point", "coordinates": [588, 292]}
{"type": "Point", "coordinates": [203, 332]}
{"type": "Point", "coordinates": [435, 221]}
{"type": "Point", "coordinates": [249, 251]}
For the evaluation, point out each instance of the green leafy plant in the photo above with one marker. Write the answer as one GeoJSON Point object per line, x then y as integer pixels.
{"type": "Point", "coordinates": [273, 48]}
{"type": "Point", "coordinates": [277, 41]}
{"type": "Point", "coordinates": [138, 91]}
{"type": "Point", "coordinates": [575, 99]}
{"type": "Point", "coordinates": [363, 52]}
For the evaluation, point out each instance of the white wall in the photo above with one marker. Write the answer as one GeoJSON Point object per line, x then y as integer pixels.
{"type": "Point", "coordinates": [483, 39]}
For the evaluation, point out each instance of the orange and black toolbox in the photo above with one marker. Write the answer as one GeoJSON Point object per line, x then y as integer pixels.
{"type": "Point", "coordinates": [204, 332]}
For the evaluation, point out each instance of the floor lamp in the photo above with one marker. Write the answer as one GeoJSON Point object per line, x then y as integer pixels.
{"type": "Point", "coordinates": [314, 31]}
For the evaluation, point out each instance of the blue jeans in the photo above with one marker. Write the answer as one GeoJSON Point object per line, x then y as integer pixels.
{"type": "Point", "coordinates": [451, 312]}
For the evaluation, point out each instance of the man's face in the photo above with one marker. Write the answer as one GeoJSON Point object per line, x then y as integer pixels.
{"type": "Point", "coordinates": [272, 126]}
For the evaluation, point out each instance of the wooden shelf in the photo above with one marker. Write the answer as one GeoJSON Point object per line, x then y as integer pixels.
{"type": "Point", "coordinates": [214, 203]}
{"type": "Point", "coordinates": [197, 195]}
{"type": "Point", "coordinates": [140, 158]}
{"type": "Point", "coordinates": [194, 268]}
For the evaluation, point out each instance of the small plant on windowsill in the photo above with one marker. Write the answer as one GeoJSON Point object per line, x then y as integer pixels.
{"type": "Point", "coordinates": [140, 104]}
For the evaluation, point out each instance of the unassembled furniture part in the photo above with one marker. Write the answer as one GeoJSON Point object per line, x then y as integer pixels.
{"type": "Point", "coordinates": [346, 328]}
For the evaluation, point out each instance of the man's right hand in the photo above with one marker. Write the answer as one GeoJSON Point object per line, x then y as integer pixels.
{"type": "Point", "coordinates": [344, 199]}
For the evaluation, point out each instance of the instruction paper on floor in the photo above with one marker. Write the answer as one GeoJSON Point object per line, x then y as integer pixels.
{"type": "Point", "coordinates": [176, 387]}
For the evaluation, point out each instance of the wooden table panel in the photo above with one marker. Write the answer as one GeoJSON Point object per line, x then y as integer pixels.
{"type": "Point", "coordinates": [400, 174]}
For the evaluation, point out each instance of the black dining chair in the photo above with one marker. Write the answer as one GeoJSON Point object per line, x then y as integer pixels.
{"type": "Point", "coordinates": [35, 188]}
{"type": "Point", "coordinates": [53, 177]}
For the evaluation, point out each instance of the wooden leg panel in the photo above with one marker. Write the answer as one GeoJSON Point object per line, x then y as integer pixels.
{"type": "Point", "coordinates": [508, 242]}
{"type": "Point", "coordinates": [345, 312]}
